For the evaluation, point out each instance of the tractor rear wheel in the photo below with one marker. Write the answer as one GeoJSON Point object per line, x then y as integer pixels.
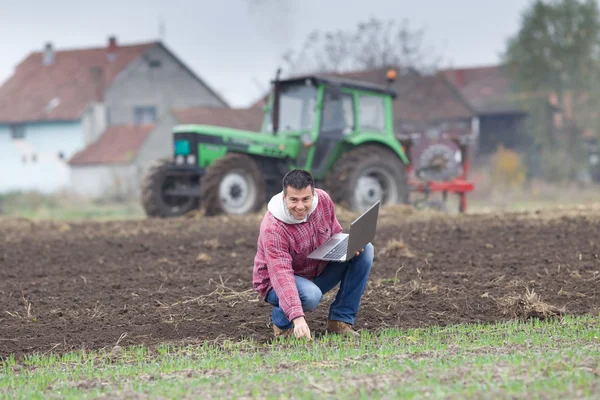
{"type": "Point", "coordinates": [155, 200]}
{"type": "Point", "coordinates": [365, 175]}
{"type": "Point", "coordinates": [233, 184]}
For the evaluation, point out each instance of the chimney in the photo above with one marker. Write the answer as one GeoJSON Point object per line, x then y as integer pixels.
{"type": "Point", "coordinates": [97, 74]}
{"type": "Point", "coordinates": [111, 49]}
{"type": "Point", "coordinates": [49, 54]}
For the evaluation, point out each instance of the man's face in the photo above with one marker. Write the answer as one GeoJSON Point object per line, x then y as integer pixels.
{"type": "Point", "coordinates": [299, 202]}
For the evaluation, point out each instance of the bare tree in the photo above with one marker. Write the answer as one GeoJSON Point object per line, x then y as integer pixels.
{"type": "Point", "coordinates": [372, 44]}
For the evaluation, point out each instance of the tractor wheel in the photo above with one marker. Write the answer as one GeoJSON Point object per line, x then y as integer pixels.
{"type": "Point", "coordinates": [365, 175]}
{"type": "Point", "coordinates": [156, 202]}
{"type": "Point", "coordinates": [234, 184]}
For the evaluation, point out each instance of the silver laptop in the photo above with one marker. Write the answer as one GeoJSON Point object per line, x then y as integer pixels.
{"type": "Point", "coordinates": [343, 246]}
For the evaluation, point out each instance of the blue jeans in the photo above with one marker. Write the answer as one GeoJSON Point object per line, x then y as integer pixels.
{"type": "Point", "coordinates": [352, 276]}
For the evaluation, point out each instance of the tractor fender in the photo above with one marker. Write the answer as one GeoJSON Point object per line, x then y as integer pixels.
{"type": "Point", "coordinates": [390, 144]}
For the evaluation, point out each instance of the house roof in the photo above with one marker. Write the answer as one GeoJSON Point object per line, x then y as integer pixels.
{"type": "Point", "coordinates": [489, 89]}
{"type": "Point", "coordinates": [238, 118]}
{"type": "Point", "coordinates": [419, 98]}
{"type": "Point", "coordinates": [119, 144]}
{"type": "Point", "coordinates": [62, 90]}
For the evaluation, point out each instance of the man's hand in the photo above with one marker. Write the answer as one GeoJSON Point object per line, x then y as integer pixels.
{"type": "Point", "coordinates": [301, 328]}
{"type": "Point", "coordinates": [358, 252]}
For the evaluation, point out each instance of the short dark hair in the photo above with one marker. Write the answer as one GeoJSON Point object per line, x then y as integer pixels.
{"type": "Point", "coordinates": [298, 179]}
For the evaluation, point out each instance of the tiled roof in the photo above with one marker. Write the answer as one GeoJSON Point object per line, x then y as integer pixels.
{"type": "Point", "coordinates": [62, 90]}
{"type": "Point", "coordinates": [119, 144]}
{"type": "Point", "coordinates": [421, 98]}
{"type": "Point", "coordinates": [489, 89]}
{"type": "Point", "coordinates": [239, 118]}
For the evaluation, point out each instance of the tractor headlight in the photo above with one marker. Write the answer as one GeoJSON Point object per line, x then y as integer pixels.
{"type": "Point", "coordinates": [179, 160]}
{"type": "Point", "coordinates": [191, 159]}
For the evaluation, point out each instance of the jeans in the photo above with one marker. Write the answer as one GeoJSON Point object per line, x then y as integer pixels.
{"type": "Point", "coordinates": [352, 276]}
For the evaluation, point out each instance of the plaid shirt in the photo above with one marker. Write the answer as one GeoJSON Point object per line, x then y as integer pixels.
{"type": "Point", "coordinates": [282, 249]}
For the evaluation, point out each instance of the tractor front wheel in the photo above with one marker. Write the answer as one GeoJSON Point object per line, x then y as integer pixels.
{"type": "Point", "coordinates": [365, 175]}
{"type": "Point", "coordinates": [233, 184]}
{"type": "Point", "coordinates": [156, 200]}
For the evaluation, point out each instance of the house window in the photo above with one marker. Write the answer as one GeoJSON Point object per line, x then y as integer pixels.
{"type": "Point", "coordinates": [372, 113]}
{"type": "Point", "coordinates": [144, 115]}
{"type": "Point", "coordinates": [17, 132]}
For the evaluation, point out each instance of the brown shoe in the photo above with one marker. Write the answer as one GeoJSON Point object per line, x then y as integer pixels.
{"type": "Point", "coordinates": [341, 328]}
{"type": "Point", "coordinates": [282, 332]}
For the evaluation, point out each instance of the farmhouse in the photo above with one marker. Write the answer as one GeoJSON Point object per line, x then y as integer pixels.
{"type": "Point", "coordinates": [58, 102]}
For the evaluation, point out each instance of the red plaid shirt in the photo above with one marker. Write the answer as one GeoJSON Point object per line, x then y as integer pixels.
{"type": "Point", "coordinates": [282, 249]}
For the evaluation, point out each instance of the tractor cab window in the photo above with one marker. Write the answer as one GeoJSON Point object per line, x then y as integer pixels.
{"type": "Point", "coordinates": [338, 113]}
{"type": "Point", "coordinates": [296, 109]}
{"type": "Point", "coordinates": [372, 113]}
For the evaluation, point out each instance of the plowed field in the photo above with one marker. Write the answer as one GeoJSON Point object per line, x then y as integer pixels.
{"type": "Point", "coordinates": [66, 286]}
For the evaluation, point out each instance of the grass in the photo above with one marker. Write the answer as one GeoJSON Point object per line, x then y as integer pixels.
{"type": "Point", "coordinates": [486, 198]}
{"type": "Point", "coordinates": [557, 358]}
{"type": "Point", "coordinates": [35, 205]}
{"type": "Point", "coordinates": [539, 195]}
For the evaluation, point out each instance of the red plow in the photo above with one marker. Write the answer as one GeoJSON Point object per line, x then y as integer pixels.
{"type": "Point", "coordinates": [440, 168]}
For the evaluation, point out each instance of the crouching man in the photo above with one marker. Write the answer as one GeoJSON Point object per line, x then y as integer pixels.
{"type": "Point", "coordinates": [298, 220]}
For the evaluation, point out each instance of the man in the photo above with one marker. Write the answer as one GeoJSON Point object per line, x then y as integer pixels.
{"type": "Point", "coordinates": [298, 220]}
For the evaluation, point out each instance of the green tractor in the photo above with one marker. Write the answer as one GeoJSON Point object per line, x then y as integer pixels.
{"type": "Point", "coordinates": [341, 130]}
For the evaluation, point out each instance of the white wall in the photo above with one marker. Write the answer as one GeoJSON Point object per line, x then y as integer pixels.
{"type": "Point", "coordinates": [158, 145]}
{"type": "Point", "coordinates": [93, 122]}
{"type": "Point", "coordinates": [97, 181]}
{"type": "Point", "coordinates": [44, 141]}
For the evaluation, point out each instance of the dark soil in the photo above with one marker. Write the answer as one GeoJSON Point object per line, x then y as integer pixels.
{"type": "Point", "coordinates": [91, 284]}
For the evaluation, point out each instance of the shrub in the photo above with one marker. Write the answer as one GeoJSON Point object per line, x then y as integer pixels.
{"type": "Point", "coordinates": [507, 168]}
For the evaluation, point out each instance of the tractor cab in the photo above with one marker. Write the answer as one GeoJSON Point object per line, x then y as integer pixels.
{"type": "Point", "coordinates": [328, 115]}
{"type": "Point", "coordinates": [292, 109]}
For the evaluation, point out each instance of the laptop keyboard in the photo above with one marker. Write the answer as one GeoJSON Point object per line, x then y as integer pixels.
{"type": "Point", "coordinates": [339, 249]}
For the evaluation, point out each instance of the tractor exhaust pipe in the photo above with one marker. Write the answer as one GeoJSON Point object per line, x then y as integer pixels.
{"type": "Point", "coordinates": [275, 110]}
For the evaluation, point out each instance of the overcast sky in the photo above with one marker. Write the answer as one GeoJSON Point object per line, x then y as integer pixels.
{"type": "Point", "coordinates": [236, 45]}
